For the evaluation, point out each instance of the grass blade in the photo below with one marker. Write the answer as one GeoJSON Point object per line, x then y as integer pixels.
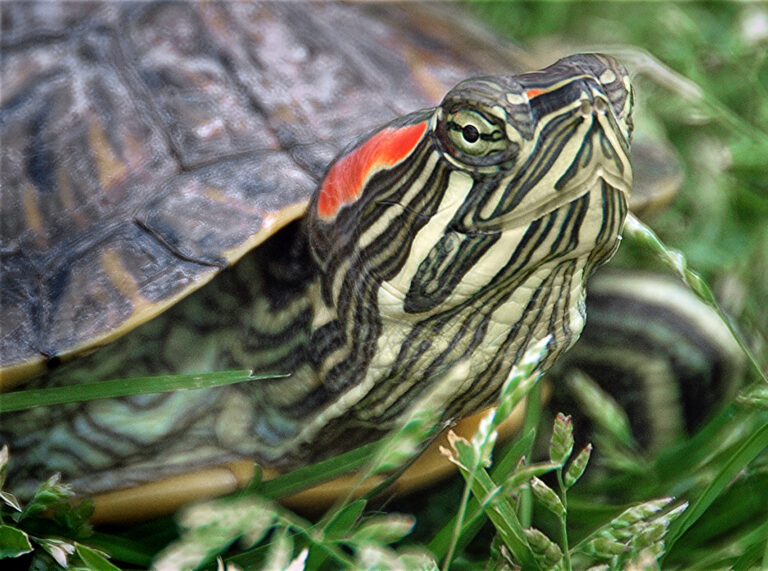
{"type": "Point", "coordinates": [756, 444]}
{"type": "Point", "coordinates": [32, 398]}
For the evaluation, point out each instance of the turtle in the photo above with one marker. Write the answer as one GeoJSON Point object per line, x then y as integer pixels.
{"type": "Point", "coordinates": [393, 209]}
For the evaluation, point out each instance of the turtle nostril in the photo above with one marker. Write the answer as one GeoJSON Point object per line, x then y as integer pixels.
{"type": "Point", "coordinates": [586, 108]}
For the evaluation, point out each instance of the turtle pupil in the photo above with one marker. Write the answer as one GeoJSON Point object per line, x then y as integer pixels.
{"type": "Point", "coordinates": [471, 134]}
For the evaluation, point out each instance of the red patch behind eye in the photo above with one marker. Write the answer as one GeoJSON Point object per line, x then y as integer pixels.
{"type": "Point", "coordinates": [347, 177]}
{"type": "Point", "coordinates": [531, 93]}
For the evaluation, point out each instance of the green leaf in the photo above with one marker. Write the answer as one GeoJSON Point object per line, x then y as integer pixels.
{"type": "Point", "coordinates": [23, 400]}
{"type": "Point", "coordinates": [134, 552]}
{"type": "Point", "coordinates": [543, 547]}
{"type": "Point", "coordinates": [10, 500]}
{"type": "Point", "coordinates": [501, 469]}
{"type": "Point", "coordinates": [59, 549]}
{"type": "Point", "coordinates": [383, 529]}
{"type": "Point", "coordinates": [13, 542]}
{"type": "Point", "coordinates": [561, 444]}
{"type": "Point", "coordinates": [754, 396]}
{"type": "Point", "coordinates": [93, 559]}
{"type": "Point", "coordinates": [75, 517]}
{"type": "Point", "coordinates": [755, 445]}
{"type": "Point", "coordinates": [577, 467]}
{"type": "Point", "coordinates": [308, 476]}
{"type": "Point", "coordinates": [547, 497]}
{"type": "Point", "coordinates": [50, 495]}
{"type": "Point", "coordinates": [675, 260]}
{"type": "Point", "coordinates": [344, 520]}
{"type": "Point", "coordinates": [525, 473]}
{"type": "Point", "coordinates": [503, 516]}
{"type": "Point", "coordinates": [461, 453]}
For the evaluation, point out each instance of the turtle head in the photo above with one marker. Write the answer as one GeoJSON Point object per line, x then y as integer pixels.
{"type": "Point", "coordinates": [410, 206]}
{"type": "Point", "coordinates": [458, 236]}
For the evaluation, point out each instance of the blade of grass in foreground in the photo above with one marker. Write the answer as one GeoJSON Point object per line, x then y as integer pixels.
{"type": "Point", "coordinates": [675, 260]}
{"type": "Point", "coordinates": [473, 520]}
{"type": "Point", "coordinates": [751, 448]}
{"type": "Point", "coordinates": [322, 471]}
{"type": "Point", "coordinates": [22, 400]}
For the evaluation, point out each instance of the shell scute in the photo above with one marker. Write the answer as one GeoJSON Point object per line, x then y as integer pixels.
{"type": "Point", "coordinates": [185, 76]}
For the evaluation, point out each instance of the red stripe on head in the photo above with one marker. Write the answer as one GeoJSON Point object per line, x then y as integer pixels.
{"type": "Point", "coordinates": [531, 93]}
{"type": "Point", "coordinates": [347, 177]}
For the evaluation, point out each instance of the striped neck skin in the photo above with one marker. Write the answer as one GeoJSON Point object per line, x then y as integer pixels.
{"type": "Point", "coordinates": [453, 239]}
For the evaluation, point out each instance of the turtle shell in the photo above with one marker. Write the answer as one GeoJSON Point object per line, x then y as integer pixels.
{"type": "Point", "coordinates": [148, 146]}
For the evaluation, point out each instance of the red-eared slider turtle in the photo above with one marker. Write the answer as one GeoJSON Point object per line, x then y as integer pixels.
{"type": "Point", "coordinates": [147, 147]}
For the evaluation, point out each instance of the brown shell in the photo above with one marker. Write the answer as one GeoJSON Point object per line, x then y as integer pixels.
{"type": "Point", "coordinates": [148, 146]}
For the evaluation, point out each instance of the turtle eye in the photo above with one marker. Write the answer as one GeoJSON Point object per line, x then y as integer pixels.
{"type": "Point", "coordinates": [473, 134]}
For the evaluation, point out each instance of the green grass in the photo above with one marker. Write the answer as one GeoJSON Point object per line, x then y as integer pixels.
{"type": "Point", "coordinates": [714, 110]}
